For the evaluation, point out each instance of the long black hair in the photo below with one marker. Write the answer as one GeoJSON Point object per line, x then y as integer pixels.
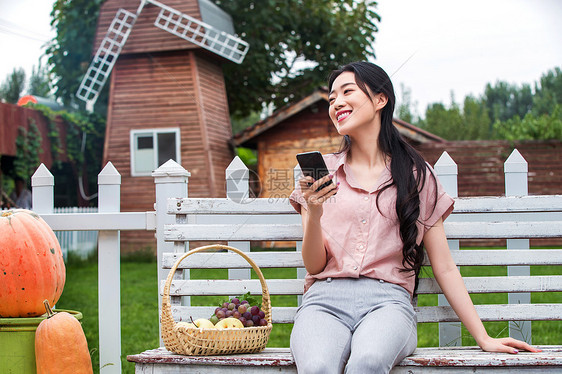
{"type": "Point", "coordinates": [407, 166]}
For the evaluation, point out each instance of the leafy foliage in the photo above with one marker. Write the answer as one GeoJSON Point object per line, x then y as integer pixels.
{"type": "Point", "coordinates": [69, 52]}
{"type": "Point", "coordinates": [84, 141]}
{"type": "Point", "coordinates": [504, 111]}
{"type": "Point", "coordinates": [548, 93]}
{"type": "Point", "coordinates": [532, 126]}
{"type": "Point", "coordinates": [504, 100]}
{"type": "Point", "coordinates": [13, 86]}
{"type": "Point", "coordinates": [39, 82]}
{"type": "Point", "coordinates": [285, 35]}
{"type": "Point", "coordinates": [28, 148]}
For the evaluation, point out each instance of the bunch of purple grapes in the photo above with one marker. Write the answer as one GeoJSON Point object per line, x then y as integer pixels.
{"type": "Point", "coordinates": [242, 310]}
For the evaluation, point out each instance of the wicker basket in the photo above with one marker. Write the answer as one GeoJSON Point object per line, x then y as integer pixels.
{"type": "Point", "coordinates": [204, 341]}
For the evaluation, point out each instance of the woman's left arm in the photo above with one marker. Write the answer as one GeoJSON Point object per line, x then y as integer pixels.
{"type": "Point", "coordinates": [450, 280]}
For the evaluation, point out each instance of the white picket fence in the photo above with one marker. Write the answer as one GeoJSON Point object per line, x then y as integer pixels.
{"type": "Point", "coordinates": [171, 181]}
{"type": "Point", "coordinates": [80, 243]}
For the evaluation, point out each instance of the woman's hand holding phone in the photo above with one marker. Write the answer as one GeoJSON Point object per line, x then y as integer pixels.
{"type": "Point", "coordinates": [314, 199]}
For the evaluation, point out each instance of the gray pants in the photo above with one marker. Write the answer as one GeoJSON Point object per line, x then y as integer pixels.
{"type": "Point", "coordinates": [354, 326]}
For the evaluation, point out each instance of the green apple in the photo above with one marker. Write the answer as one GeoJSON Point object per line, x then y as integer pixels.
{"type": "Point", "coordinates": [214, 319]}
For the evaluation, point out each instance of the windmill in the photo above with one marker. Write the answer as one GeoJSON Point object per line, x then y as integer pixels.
{"type": "Point", "coordinates": [169, 19]}
{"type": "Point", "coordinates": [167, 96]}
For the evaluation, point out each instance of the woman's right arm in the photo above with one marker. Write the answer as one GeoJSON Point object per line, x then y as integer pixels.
{"type": "Point", "coordinates": [313, 251]}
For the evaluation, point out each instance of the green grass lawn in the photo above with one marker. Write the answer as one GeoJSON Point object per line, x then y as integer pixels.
{"type": "Point", "coordinates": [139, 310]}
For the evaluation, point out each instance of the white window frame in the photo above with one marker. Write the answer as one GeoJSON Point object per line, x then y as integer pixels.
{"type": "Point", "coordinates": [154, 132]}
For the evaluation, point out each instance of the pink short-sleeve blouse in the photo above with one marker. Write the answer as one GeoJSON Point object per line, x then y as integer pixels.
{"type": "Point", "coordinates": [360, 240]}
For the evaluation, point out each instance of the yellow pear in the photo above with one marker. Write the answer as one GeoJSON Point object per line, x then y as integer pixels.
{"type": "Point", "coordinates": [185, 324]}
{"type": "Point", "coordinates": [229, 323]}
{"type": "Point", "coordinates": [204, 323]}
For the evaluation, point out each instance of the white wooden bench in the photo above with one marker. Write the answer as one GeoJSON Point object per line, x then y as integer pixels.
{"type": "Point", "coordinates": [514, 218]}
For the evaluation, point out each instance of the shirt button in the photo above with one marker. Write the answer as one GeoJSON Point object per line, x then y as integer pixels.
{"type": "Point", "coordinates": [364, 221]}
{"type": "Point", "coordinates": [361, 246]}
{"type": "Point", "coordinates": [366, 198]}
{"type": "Point", "coordinates": [355, 268]}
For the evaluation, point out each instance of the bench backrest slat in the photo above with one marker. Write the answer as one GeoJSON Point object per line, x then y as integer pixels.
{"type": "Point", "coordinates": [551, 283]}
{"type": "Point", "coordinates": [427, 314]}
{"type": "Point", "coordinates": [276, 259]}
{"type": "Point", "coordinates": [539, 203]}
{"type": "Point", "coordinates": [293, 232]}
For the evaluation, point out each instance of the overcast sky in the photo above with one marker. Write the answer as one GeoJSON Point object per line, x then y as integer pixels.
{"type": "Point", "coordinates": [433, 47]}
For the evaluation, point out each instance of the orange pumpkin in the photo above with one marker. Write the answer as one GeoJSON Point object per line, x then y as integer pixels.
{"type": "Point", "coordinates": [31, 264]}
{"type": "Point", "coordinates": [61, 346]}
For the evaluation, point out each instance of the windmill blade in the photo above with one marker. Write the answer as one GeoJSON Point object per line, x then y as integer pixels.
{"type": "Point", "coordinates": [106, 56]}
{"type": "Point", "coordinates": [200, 33]}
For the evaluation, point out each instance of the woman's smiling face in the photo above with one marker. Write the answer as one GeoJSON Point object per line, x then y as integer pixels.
{"type": "Point", "coordinates": [350, 108]}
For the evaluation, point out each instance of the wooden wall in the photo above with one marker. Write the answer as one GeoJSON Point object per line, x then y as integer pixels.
{"type": "Point", "coordinates": [160, 90]}
{"type": "Point", "coordinates": [12, 117]}
{"type": "Point", "coordinates": [305, 131]}
{"type": "Point", "coordinates": [480, 164]}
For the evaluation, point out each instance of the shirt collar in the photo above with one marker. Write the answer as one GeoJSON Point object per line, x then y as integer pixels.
{"type": "Point", "coordinates": [342, 163]}
{"type": "Point", "coordinates": [342, 159]}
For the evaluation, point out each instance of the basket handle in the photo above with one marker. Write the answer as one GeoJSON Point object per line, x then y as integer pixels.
{"type": "Point", "coordinates": [166, 304]}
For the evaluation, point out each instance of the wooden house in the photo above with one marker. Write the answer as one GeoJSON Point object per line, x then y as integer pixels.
{"type": "Point", "coordinates": [167, 101]}
{"type": "Point", "coordinates": [17, 121]}
{"type": "Point", "coordinates": [300, 127]}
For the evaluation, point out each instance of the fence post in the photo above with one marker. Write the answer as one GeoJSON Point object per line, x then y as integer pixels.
{"type": "Point", "coordinates": [171, 180]}
{"type": "Point", "coordinates": [450, 333]}
{"type": "Point", "coordinates": [301, 272]}
{"type": "Point", "coordinates": [238, 190]}
{"type": "Point", "coordinates": [109, 294]}
{"type": "Point", "coordinates": [515, 169]}
{"type": "Point", "coordinates": [42, 191]}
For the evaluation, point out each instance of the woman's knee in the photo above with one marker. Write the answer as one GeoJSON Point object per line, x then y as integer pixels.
{"type": "Point", "coordinates": [369, 362]}
{"type": "Point", "coordinates": [316, 365]}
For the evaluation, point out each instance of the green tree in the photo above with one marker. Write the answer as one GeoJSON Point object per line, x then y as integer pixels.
{"type": "Point", "coordinates": [504, 100]}
{"type": "Point", "coordinates": [532, 126]}
{"type": "Point", "coordinates": [39, 82]}
{"type": "Point", "coordinates": [444, 122]}
{"type": "Point", "coordinates": [70, 50]}
{"type": "Point", "coordinates": [13, 86]}
{"type": "Point", "coordinates": [476, 121]}
{"type": "Point", "coordinates": [293, 47]}
{"type": "Point", "coordinates": [404, 109]}
{"type": "Point", "coordinates": [548, 93]}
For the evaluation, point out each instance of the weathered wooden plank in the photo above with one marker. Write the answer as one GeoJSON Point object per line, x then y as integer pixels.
{"type": "Point", "coordinates": [499, 284]}
{"type": "Point", "coordinates": [538, 203]}
{"type": "Point", "coordinates": [491, 312]}
{"type": "Point", "coordinates": [233, 232]}
{"type": "Point", "coordinates": [475, 357]}
{"type": "Point", "coordinates": [506, 230]}
{"type": "Point", "coordinates": [234, 287]}
{"type": "Point", "coordinates": [458, 358]}
{"type": "Point", "coordinates": [504, 312]}
{"type": "Point", "coordinates": [546, 283]}
{"type": "Point", "coordinates": [267, 357]}
{"type": "Point", "coordinates": [227, 206]}
{"type": "Point", "coordinates": [274, 259]}
{"type": "Point", "coordinates": [453, 230]}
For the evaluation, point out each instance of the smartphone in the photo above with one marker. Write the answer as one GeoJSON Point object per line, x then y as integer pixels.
{"type": "Point", "coordinates": [312, 164]}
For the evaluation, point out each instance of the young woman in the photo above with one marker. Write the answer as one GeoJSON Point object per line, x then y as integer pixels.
{"type": "Point", "coordinates": [363, 247]}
